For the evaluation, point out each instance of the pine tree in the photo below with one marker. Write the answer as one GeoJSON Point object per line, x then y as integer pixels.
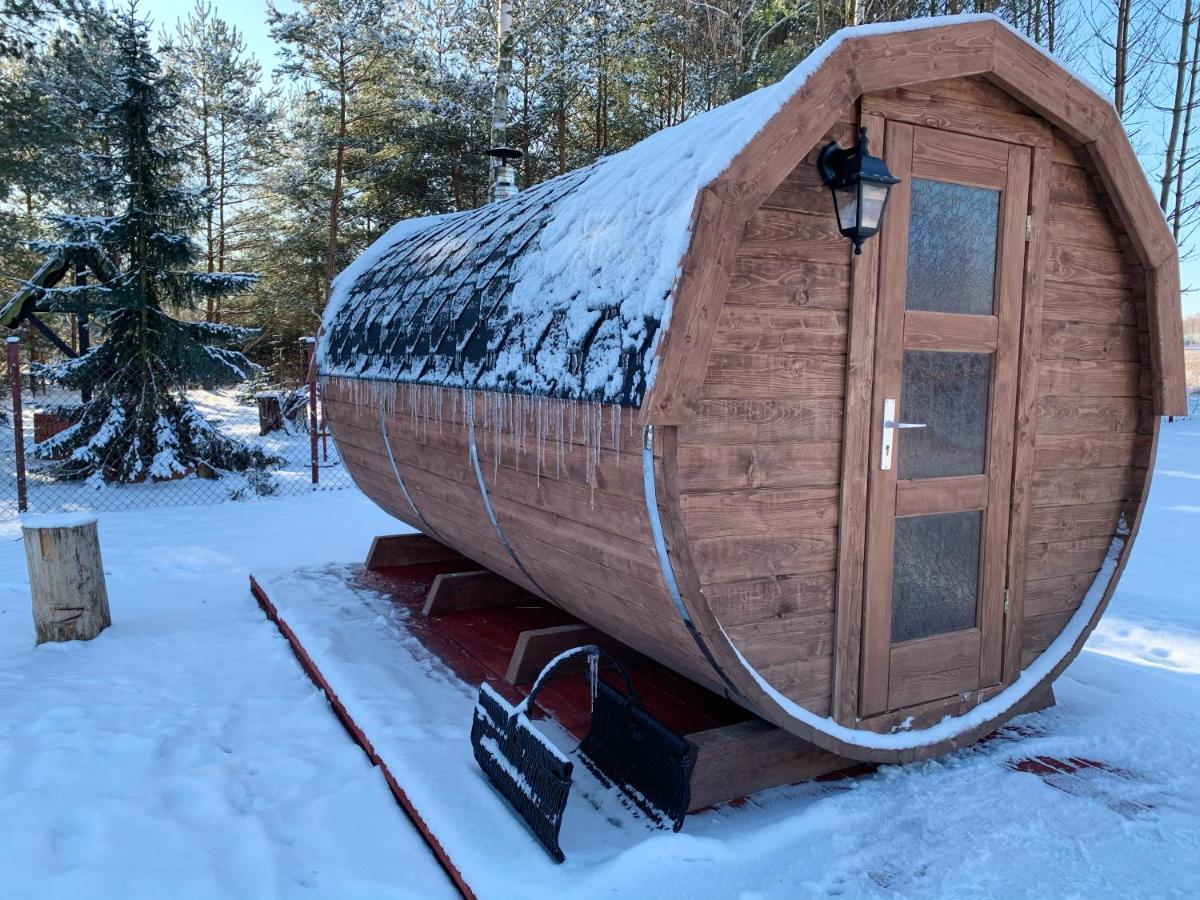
{"type": "Point", "coordinates": [139, 423]}
{"type": "Point", "coordinates": [340, 48]}
{"type": "Point", "coordinates": [229, 118]}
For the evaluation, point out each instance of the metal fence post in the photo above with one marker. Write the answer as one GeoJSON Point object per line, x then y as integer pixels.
{"type": "Point", "coordinates": [311, 343]}
{"type": "Point", "coordinates": [14, 378]}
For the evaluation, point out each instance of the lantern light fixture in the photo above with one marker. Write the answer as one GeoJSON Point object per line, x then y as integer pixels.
{"type": "Point", "coordinates": [860, 184]}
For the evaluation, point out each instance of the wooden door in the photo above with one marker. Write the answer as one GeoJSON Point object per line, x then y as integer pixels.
{"type": "Point", "coordinates": [941, 467]}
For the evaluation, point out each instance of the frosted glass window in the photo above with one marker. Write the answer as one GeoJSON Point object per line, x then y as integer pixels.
{"type": "Point", "coordinates": [935, 574]}
{"type": "Point", "coordinates": [949, 393]}
{"type": "Point", "coordinates": [952, 248]}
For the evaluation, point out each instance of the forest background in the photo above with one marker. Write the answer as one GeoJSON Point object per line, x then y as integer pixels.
{"type": "Point", "coordinates": [314, 125]}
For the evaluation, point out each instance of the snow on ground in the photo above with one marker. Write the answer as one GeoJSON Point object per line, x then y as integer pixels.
{"type": "Point", "coordinates": [184, 754]}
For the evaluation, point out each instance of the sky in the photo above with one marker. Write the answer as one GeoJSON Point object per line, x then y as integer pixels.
{"type": "Point", "coordinates": [250, 18]}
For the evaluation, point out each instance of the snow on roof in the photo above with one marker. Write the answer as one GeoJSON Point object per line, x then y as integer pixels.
{"type": "Point", "coordinates": [564, 289]}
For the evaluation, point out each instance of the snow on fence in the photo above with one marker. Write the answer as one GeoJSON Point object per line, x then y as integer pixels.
{"type": "Point", "coordinates": [276, 418]}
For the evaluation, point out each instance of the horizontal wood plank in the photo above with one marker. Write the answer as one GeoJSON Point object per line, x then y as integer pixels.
{"type": "Point", "coordinates": [950, 331]}
{"type": "Point", "coordinates": [1068, 487]}
{"type": "Point", "coordinates": [1058, 594]}
{"type": "Point", "coordinates": [1067, 523]}
{"type": "Point", "coordinates": [1092, 378]}
{"type": "Point", "coordinates": [790, 282]}
{"type": "Point", "coordinates": [1071, 185]}
{"type": "Point", "coordinates": [963, 113]}
{"type": "Point", "coordinates": [776, 511]}
{"type": "Point", "coordinates": [734, 466]}
{"type": "Point", "coordinates": [772, 597]}
{"type": "Point", "coordinates": [791, 329]}
{"type": "Point", "coordinates": [1047, 560]}
{"type": "Point", "coordinates": [764, 421]}
{"type": "Point", "coordinates": [934, 667]}
{"type": "Point", "coordinates": [775, 641]}
{"type": "Point", "coordinates": [923, 496]}
{"type": "Point", "coordinates": [1098, 306]}
{"type": "Point", "coordinates": [738, 558]}
{"type": "Point", "coordinates": [1087, 415]}
{"type": "Point", "coordinates": [1104, 450]}
{"type": "Point", "coordinates": [779, 233]}
{"type": "Point", "coordinates": [741, 375]}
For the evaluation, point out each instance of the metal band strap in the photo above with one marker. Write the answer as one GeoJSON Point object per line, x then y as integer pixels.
{"type": "Point", "coordinates": [387, 444]}
{"type": "Point", "coordinates": [664, 561]}
{"type": "Point", "coordinates": [487, 505]}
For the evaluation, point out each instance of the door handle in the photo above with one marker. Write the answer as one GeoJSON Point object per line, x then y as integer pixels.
{"type": "Point", "coordinates": [890, 426]}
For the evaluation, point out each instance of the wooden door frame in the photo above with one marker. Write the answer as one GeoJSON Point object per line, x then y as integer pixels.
{"type": "Point", "coordinates": [1028, 176]}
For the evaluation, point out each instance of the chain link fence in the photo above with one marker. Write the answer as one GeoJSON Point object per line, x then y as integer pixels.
{"type": "Point", "coordinates": [273, 415]}
{"type": "Point", "coordinates": [1191, 360]}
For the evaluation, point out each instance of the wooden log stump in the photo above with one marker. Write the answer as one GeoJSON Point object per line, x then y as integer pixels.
{"type": "Point", "coordinates": [270, 411]}
{"type": "Point", "coordinates": [66, 577]}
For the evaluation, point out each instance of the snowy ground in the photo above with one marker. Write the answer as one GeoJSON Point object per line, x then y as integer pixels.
{"type": "Point", "coordinates": [184, 754]}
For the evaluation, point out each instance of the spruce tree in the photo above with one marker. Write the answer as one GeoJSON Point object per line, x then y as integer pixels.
{"type": "Point", "coordinates": [139, 423]}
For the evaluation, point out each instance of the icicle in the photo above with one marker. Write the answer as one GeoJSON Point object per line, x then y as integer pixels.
{"type": "Point", "coordinates": [615, 427]}
{"type": "Point", "coordinates": [498, 424]}
{"type": "Point", "coordinates": [593, 678]}
{"type": "Point", "coordinates": [561, 404]}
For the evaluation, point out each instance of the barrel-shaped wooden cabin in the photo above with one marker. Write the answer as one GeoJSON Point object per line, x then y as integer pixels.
{"type": "Point", "coordinates": [653, 391]}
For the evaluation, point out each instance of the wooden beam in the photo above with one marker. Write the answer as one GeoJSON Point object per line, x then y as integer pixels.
{"type": "Point", "coordinates": [736, 760]}
{"type": "Point", "coordinates": [53, 338]}
{"type": "Point", "coordinates": [1041, 697]}
{"type": "Point", "coordinates": [480, 589]}
{"type": "Point", "coordinates": [390, 550]}
{"type": "Point", "coordinates": [856, 462]}
{"type": "Point", "coordinates": [538, 646]}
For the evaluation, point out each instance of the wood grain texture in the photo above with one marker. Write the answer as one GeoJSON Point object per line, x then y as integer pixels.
{"type": "Point", "coordinates": [1025, 426]}
{"type": "Point", "coordinates": [875, 658]}
{"type": "Point", "coordinates": [757, 466]}
{"type": "Point", "coordinates": [893, 63]}
{"type": "Point", "coordinates": [538, 646]}
{"type": "Point", "coordinates": [453, 592]}
{"type": "Point", "coordinates": [737, 760]}
{"type": "Point", "coordinates": [934, 667]}
{"type": "Point", "coordinates": [950, 331]}
{"type": "Point", "coordinates": [740, 375]}
{"type": "Point", "coordinates": [408, 550]}
{"type": "Point", "coordinates": [769, 333]}
{"type": "Point", "coordinates": [856, 454]}
{"type": "Point", "coordinates": [66, 580]}
{"type": "Point", "coordinates": [968, 106]}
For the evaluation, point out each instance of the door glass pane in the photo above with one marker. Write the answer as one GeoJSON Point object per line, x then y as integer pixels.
{"type": "Point", "coordinates": [935, 574]}
{"type": "Point", "coordinates": [948, 392]}
{"type": "Point", "coordinates": [952, 248]}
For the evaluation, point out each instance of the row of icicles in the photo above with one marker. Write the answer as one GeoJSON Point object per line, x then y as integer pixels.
{"type": "Point", "coordinates": [531, 423]}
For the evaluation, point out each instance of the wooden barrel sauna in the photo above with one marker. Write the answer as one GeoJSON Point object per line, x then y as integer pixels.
{"type": "Point", "coordinates": [652, 391]}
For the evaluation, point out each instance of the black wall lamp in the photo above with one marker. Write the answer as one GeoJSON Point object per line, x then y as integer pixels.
{"type": "Point", "coordinates": [860, 184]}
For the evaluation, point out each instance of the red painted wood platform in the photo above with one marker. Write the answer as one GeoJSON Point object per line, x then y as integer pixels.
{"type": "Point", "coordinates": [478, 644]}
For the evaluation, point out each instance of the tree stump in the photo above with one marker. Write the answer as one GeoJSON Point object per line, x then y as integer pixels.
{"type": "Point", "coordinates": [66, 577]}
{"type": "Point", "coordinates": [270, 412]}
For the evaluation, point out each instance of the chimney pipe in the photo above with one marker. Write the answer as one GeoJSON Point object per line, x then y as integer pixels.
{"type": "Point", "coordinates": [504, 182]}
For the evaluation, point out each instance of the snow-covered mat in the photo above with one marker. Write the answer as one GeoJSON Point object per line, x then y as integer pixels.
{"type": "Point", "coordinates": [1062, 802]}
